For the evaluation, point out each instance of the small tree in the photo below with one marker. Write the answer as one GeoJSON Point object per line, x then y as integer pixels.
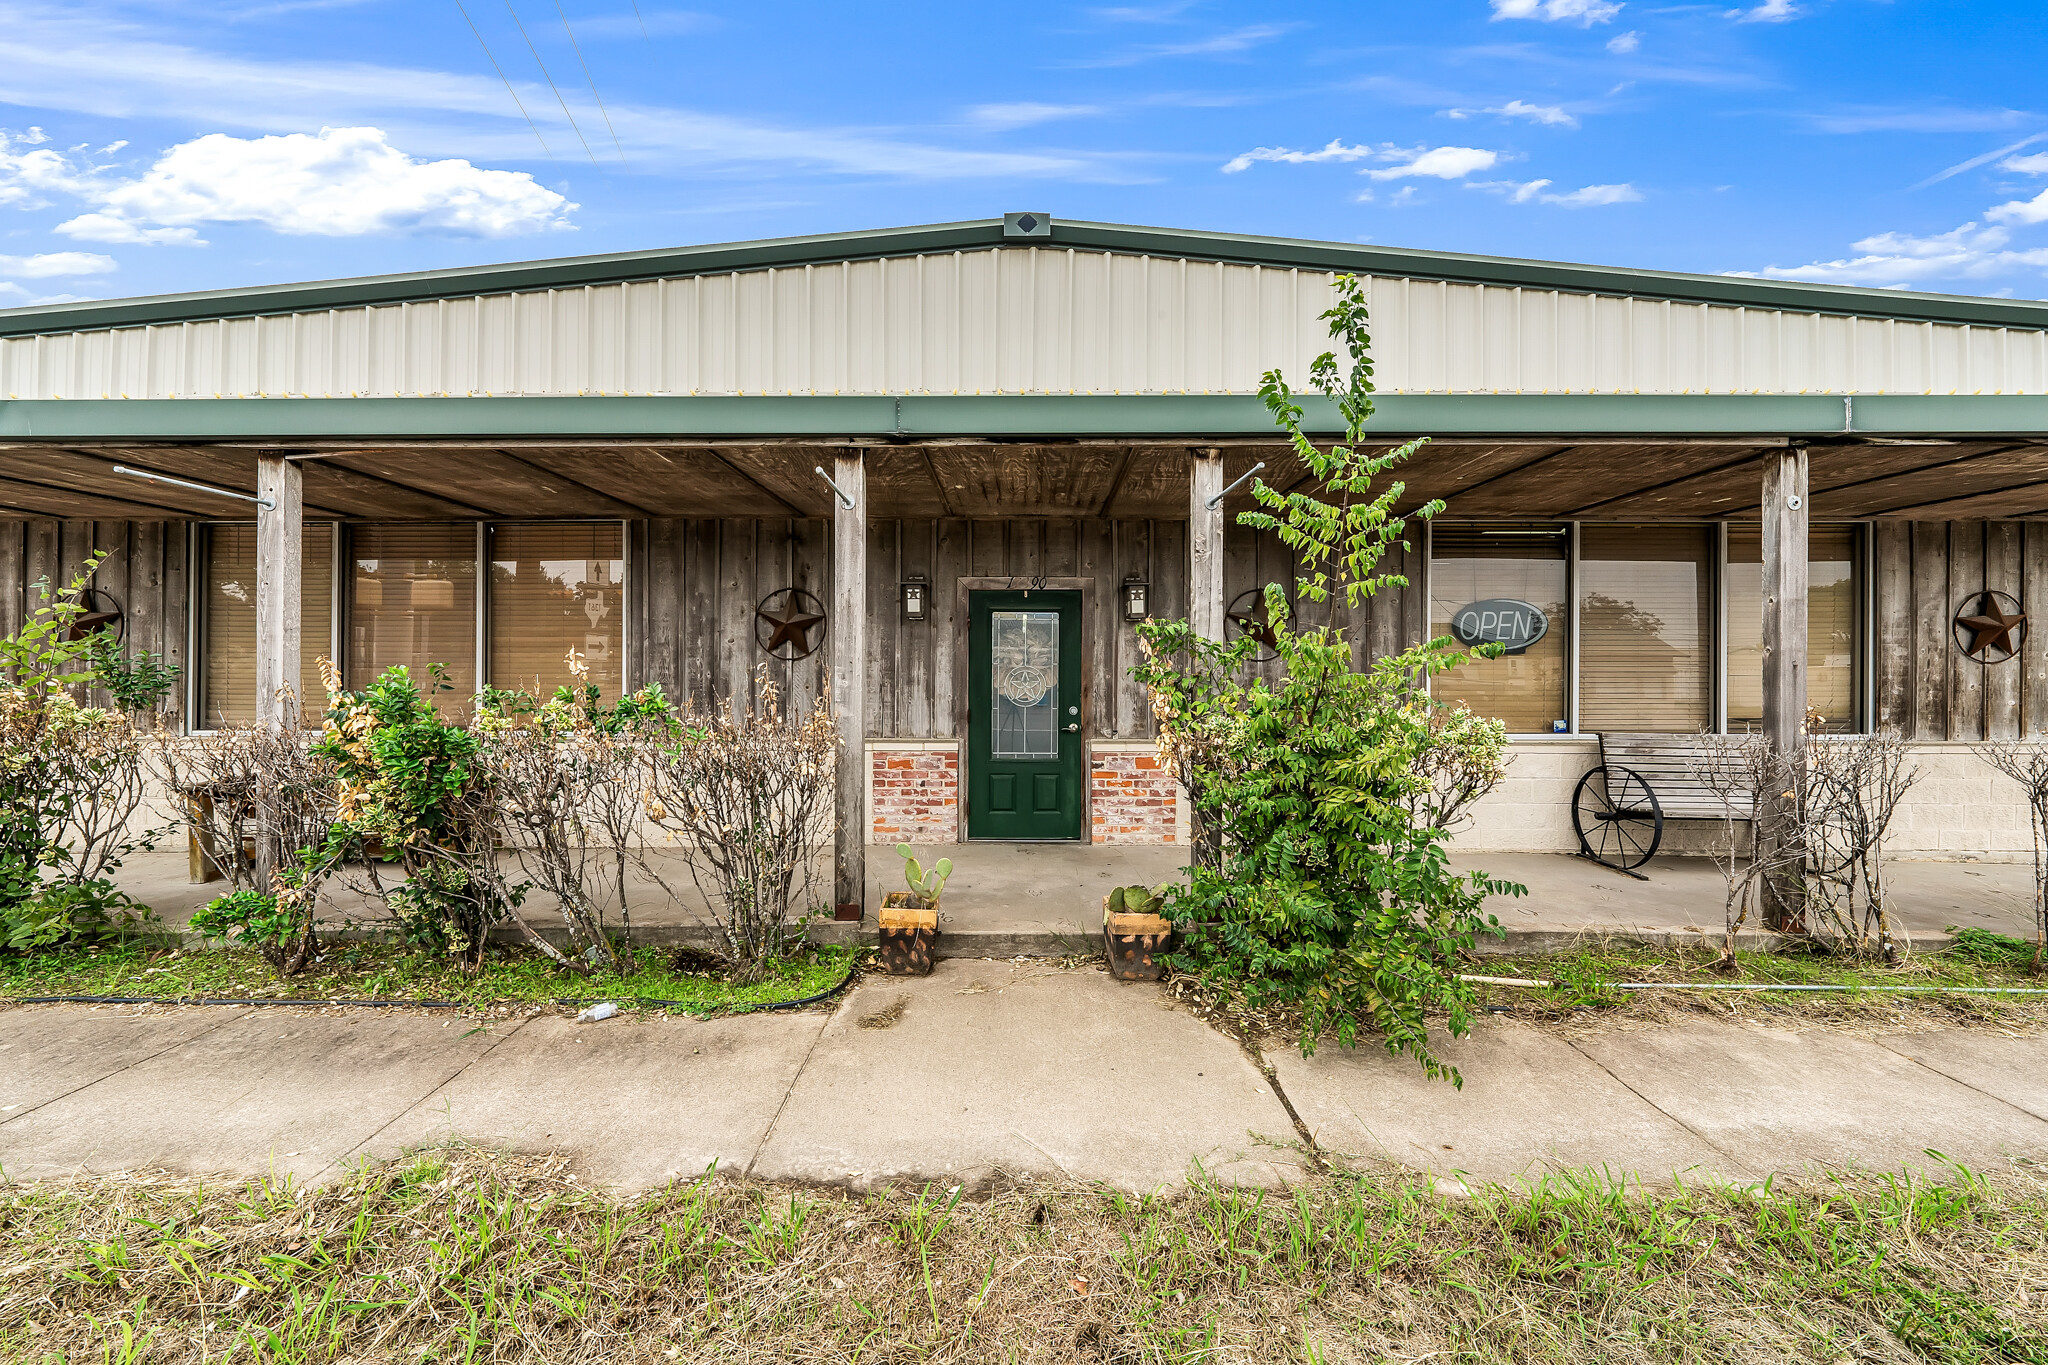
{"type": "Point", "coordinates": [1324, 801]}
{"type": "Point", "coordinates": [2025, 761]}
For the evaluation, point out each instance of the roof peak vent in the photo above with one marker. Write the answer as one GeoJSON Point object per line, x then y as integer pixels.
{"type": "Point", "coordinates": [1027, 225]}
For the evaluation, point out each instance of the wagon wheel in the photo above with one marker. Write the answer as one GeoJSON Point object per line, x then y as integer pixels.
{"type": "Point", "coordinates": [1617, 818]}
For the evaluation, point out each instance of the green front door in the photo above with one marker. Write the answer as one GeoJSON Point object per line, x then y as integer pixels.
{"type": "Point", "coordinates": [1024, 715]}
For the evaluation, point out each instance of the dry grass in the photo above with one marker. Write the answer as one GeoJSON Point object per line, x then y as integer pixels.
{"type": "Point", "coordinates": [465, 1255]}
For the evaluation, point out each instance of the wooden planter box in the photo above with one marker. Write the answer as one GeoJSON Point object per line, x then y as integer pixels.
{"type": "Point", "coordinates": [1133, 943]}
{"type": "Point", "coordinates": [908, 931]}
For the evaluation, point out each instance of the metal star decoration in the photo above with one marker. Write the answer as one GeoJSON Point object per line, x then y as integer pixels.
{"type": "Point", "coordinates": [793, 627]}
{"type": "Point", "coordinates": [1995, 628]}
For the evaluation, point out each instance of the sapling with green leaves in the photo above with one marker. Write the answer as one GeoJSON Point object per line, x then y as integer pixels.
{"type": "Point", "coordinates": [1323, 801]}
{"type": "Point", "coordinates": [925, 885]}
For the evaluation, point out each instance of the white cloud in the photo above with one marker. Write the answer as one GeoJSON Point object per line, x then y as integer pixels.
{"type": "Point", "coordinates": [1539, 192]}
{"type": "Point", "coordinates": [1216, 45]}
{"type": "Point", "coordinates": [47, 265]}
{"type": "Point", "coordinates": [2033, 210]}
{"type": "Point", "coordinates": [1336, 151]}
{"type": "Point", "coordinates": [1587, 12]}
{"type": "Point", "coordinates": [14, 296]}
{"type": "Point", "coordinates": [1442, 163]}
{"type": "Point", "coordinates": [1897, 259]}
{"type": "Point", "coordinates": [2035, 164]}
{"type": "Point", "coordinates": [343, 182]}
{"type": "Point", "coordinates": [1769, 12]}
{"type": "Point", "coordinates": [646, 24]}
{"type": "Point", "coordinates": [1621, 44]}
{"type": "Point", "coordinates": [1536, 113]}
{"type": "Point", "coordinates": [1024, 114]}
{"type": "Point", "coordinates": [106, 227]}
{"type": "Point", "coordinates": [106, 64]}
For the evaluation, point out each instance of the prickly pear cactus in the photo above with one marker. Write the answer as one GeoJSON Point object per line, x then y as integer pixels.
{"type": "Point", "coordinates": [926, 885]}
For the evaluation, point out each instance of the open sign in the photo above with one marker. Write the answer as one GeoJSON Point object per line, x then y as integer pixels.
{"type": "Point", "coordinates": [1500, 620]}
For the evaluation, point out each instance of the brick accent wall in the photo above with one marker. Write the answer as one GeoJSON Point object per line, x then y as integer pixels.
{"type": "Point", "coordinates": [914, 795]}
{"type": "Point", "coordinates": [1133, 798]}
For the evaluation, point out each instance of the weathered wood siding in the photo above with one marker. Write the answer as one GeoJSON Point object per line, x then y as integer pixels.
{"type": "Point", "coordinates": [144, 571]}
{"type": "Point", "coordinates": [1927, 688]}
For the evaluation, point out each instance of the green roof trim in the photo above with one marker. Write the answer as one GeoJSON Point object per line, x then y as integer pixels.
{"type": "Point", "coordinates": [986, 234]}
{"type": "Point", "coordinates": [1160, 416]}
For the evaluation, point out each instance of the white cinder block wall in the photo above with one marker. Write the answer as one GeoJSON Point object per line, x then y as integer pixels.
{"type": "Point", "coordinates": [1958, 809]}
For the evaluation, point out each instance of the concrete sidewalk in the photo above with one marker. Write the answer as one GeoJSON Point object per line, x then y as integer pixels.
{"type": "Point", "coordinates": [1045, 900]}
{"type": "Point", "coordinates": [981, 1072]}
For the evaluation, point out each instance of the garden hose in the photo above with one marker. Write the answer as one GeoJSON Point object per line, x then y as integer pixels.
{"type": "Point", "coordinates": [645, 1001]}
{"type": "Point", "coordinates": [1762, 986]}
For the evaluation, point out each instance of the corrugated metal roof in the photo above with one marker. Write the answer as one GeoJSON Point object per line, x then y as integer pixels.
{"type": "Point", "coordinates": [988, 234]}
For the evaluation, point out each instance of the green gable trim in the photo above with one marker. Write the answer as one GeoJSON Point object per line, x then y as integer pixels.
{"type": "Point", "coordinates": [987, 234]}
{"type": "Point", "coordinates": [1011, 416]}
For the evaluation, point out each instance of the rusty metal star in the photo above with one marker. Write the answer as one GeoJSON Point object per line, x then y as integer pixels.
{"type": "Point", "coordinates": [793, 629]}
{"type": "Point", "coordinates": [1991, 628]}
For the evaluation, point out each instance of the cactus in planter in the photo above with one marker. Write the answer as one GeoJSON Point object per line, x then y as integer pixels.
{"type": "Point", "coordinates": [926, 886]}
{"type": "Point", "coordinates": [1135, 900]}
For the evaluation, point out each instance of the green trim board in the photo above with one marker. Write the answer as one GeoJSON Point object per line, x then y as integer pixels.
{"type": "Point", "coordinates": [1176, 417]}
{"type": "Point", "coordinates": [988, 234]}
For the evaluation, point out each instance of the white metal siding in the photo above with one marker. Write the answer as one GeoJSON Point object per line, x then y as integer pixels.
{"type": "Point", "coordinates": [1017, 321]}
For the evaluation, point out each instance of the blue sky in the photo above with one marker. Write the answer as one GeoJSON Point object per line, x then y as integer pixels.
{"type": "Point", "coordinates": [149, 148]}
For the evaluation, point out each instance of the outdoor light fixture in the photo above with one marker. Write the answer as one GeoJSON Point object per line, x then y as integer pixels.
{"type": "Point", "coordinates": [916, 597]}
{"type": "Point", "coordinates": [1134, 598]}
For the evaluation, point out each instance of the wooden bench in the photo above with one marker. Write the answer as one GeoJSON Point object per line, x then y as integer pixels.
{"type": "Point", "coordinates": [1620, 807]}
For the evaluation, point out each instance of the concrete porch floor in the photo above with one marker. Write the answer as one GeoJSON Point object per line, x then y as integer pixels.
{"type": "Point", "coordinates": [1039, 900]}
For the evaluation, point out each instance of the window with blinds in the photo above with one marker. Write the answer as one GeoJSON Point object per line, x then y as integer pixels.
{"type": "Point", "coordinates": [1646, 628]}
{"type": "Point", "coordinates": [1833, 616]}
{"type": "Point", "coordinates": [227, 672]}
{"type": "Point", "coordinates": [553, 588]}
{"type": "Point", "coordinates": [1476, 575]}
{"type": "Point", "coordinates": [412, 601]}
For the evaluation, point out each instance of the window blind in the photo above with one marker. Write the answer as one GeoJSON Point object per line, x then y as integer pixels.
{"type": "Point", "coordinates": [1832, 617]}
{"type": "Point", "coordinates": [554, 588]}
{"type": "Point", "coordinates": [1646, 650]}
{"type": "Point", "coordinates": [1472, 564]}
{"type": "Point", "coordinates": [227, 673]}
{"type": "Point", "coordinates": [412, 601]}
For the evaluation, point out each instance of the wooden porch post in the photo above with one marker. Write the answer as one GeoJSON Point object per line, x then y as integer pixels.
{"type": "Point", "coordinates": [280, 558]}
{"type": "Point", "coordinates": [1205, 545]}
{"type": "Point", "coordinates": [849, 693]}
{"type": "Point", "coordinates": [1784, 642]}
{"type": "Point", "coordinates": [279, 561]}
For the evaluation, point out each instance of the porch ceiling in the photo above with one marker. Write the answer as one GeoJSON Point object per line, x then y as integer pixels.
{"type": "Point", "coordinates": [1594, 478]}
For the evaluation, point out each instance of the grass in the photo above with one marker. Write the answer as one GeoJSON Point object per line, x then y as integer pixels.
{"type": "Point", "coordinates": [363, 970]}
{"type": "Point", "coordinates": [461, 1255]}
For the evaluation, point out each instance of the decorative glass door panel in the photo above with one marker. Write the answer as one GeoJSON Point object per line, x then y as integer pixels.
{"type": "Point", "coordinates": [1024, 721]}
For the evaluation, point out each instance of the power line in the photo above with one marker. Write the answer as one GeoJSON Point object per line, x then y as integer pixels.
{"type": "Point", "coordinates": [578, 49]}
{"type": "Point", "coordinates": [642, 18]}
{"type": "Point", "coordinates": [551, 82]}
{"type": "Point", "coordinates": [505, 78]}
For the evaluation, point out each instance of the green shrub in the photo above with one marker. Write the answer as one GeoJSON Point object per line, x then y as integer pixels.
{"type": "Point", "coordinates": [74, 914]}
{"type": "Point", "coordinates": [257, 919]}
{"type": "Point", "coordinates": [1323, 801]}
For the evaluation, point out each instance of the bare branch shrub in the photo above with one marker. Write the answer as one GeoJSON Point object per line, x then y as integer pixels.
{"type": "Point", "coordinates": [1854, 784]}
{"type": "Point", "coordinates": [745, 794]}
{"type": "Point", "coordinates": [1738, 770]}
{"type": "Point", "coordinates": [2025, 761]}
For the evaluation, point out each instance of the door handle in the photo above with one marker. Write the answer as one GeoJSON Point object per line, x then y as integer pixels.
{"type": "Point", "coordinates": [1073, 727]}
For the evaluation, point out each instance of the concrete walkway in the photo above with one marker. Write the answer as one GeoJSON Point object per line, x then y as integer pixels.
{"type": "Point", "coordinates": [981, 1072]}
{"type": "Point", "coordinates": [1045, 900]}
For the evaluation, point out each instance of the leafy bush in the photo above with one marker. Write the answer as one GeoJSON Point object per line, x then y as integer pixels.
{"type": "Point", "coordinates": [72, 777]}
{"type": "Point", "coordinates": [73, 914]}
{"type": "Point", "coordinates": [1324, 801]}
{"type": "Point", "coordinates": [279, 929]}
{"type": "Point", "coordinates": [138, 682]}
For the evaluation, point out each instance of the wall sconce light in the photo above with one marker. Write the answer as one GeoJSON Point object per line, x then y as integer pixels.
{"type": "Point", "coordinates": [916, 597]}
{"type": "Point", "coordinates": [1134, 598]}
